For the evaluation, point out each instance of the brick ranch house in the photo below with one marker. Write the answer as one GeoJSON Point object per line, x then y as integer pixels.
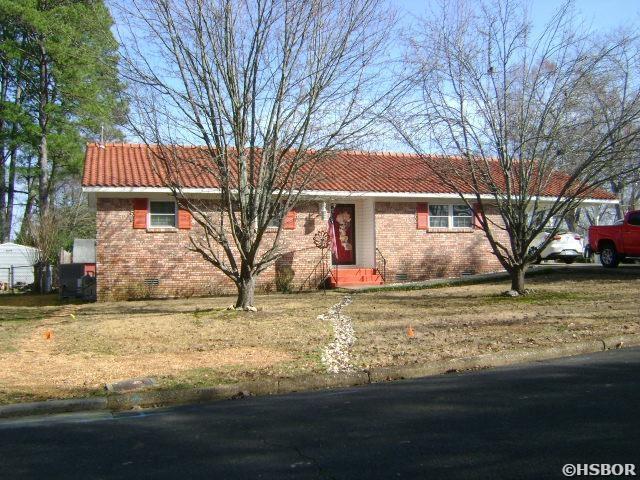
{"type": "Point", "coordinates": [392, 218]}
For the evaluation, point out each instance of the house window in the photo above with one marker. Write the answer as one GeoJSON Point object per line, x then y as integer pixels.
{"type": "Point", "coordinates": [439, 216]}
{"type": "Point", "coordinates": [450, 216]}
{"type": "Point", "coordinates": [162, 214]}
{"type": "Point", "coordinates": [276, 220]}
{"type": "Point", "coordinates": [462, 216]}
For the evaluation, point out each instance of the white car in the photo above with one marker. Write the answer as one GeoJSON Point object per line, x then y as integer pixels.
{"type": "Point", "coordinates": [565, 246]}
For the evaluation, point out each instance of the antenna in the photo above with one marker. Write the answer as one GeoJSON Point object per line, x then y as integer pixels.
{"type": "Point", "coordinates": [102, 135]}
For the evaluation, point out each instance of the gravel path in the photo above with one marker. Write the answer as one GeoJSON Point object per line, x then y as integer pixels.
{"type": "Point", "coordinates": [335, 356]}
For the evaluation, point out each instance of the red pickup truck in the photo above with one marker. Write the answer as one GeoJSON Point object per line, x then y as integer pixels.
{"type": "Point", "coordinates": [616, 242]}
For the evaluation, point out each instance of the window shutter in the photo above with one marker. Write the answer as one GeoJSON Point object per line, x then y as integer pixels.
{"type": "Point", "coordinates": [477, 216]}
{"type": "Point", "coordinates": [140, 206]}
{"type": "Point", "coordinates": [290, 220]}
{"type": "Point", "coordinates": [422, 216]}
{"type": "Point", "coordinates": [184, 219]}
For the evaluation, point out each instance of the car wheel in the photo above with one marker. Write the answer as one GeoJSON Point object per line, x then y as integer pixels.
{"type": "Point", "coordinates": [609, 257]}
{"type": "Point", "coordinates": [569, 261]}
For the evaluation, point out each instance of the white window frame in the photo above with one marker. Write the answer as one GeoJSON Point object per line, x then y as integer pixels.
{"type": "Point", "coordinates": [277, 219]}
{"type": "Point", "coordinates": [470, 216]}
{"type": "Point", "coordinates": [150, 215]}
{"type": "Point", "coordinates": [450, 217]}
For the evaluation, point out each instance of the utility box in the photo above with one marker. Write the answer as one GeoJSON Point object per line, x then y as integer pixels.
{"type": "Point", "coordinates": [76, 282]}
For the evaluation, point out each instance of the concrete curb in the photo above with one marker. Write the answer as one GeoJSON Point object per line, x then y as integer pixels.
{"type": "Point", "coordinates": [273, 386]}
{"type": "Point", "coordinates": [53, 406]}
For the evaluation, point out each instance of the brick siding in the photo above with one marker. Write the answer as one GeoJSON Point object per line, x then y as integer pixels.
{"type": "Point", "coordinates": [128, 258]}
{"type": "Point", "coordinates": [414, 254]}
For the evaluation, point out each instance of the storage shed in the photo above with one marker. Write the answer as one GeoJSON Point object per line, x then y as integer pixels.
{"type": "Point", "coordinates": [16, 264]}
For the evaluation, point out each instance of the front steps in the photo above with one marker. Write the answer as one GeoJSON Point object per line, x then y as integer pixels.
{"type": "Point", "coordinates": [349, 276]}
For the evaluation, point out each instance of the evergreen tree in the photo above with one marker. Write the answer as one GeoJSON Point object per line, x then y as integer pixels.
{"type": "Point", "coordinates": [60, 86]}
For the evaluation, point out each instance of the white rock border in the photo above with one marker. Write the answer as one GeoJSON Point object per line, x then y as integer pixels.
{"type": "Point", "coordinates": [336, 355]}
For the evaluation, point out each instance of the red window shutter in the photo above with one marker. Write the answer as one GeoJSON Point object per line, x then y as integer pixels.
{"type": "Point", "coordinates": [422, 216]}
{"type": "Point", "coordinates": [184, 219]}
{"type": "Point", "coordinates": [477, 216]}
{"type": "Point", "coordinates": [290, 220]}
{"type": "Point", "coordinates": [140, 206]}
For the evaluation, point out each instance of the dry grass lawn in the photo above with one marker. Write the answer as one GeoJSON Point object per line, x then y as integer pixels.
{"type": "Point", "coordinates": [472, 320]}
{"type": "Point", "coordinates": [190, 342]}
{"type": "Point", "coordinates": [197, 342]}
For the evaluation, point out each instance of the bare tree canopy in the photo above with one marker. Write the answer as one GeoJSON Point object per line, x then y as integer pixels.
{"type": "Point", "coordinates": [527, 113]}
{"type": "Point", "coordinates": [267, 88]}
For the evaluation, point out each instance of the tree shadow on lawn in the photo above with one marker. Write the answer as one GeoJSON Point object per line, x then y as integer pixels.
{"type": "Point", "coordinates": [208, 304]}
{"type": "Point", "coordinates": [22, 396]}
{"type": "Point", "coordinates": [400, 324]}
{"type": "Point", "coordinates": [448, 302]}
{"type": "Point", "coordinates": [34, 300]}
{"type": "Point", "coordinates": [582, 273]}
{"type": "Point", "coordinates": [534, 279]}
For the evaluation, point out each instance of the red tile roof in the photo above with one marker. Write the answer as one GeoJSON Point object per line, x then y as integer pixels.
{"type": "Point", "coordinates": [134, 165]}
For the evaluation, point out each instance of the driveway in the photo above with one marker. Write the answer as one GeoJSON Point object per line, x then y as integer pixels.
{"type": "Point", "coordinates": [516, 422]}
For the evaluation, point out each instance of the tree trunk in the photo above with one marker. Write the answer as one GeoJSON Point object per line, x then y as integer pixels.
{"type": "Point", "coordinates": [246, 289]}
{"type": "Point", "coordinates": [11, 191]}
{"type": "Point", "coordinates": [43, 178]}
{"type": "Point", "coordinates": [11, 181]}
{"type": "Point", "coordinates": [517, 278]}
{"type": "Point", "coordinates": [3, 191]}
{"type": "Point", "coordinates": [26, 217]}
{"type": "Point", "coordinates": [43, 120]}
{"type": "Point", "coordinates": [4, 88]}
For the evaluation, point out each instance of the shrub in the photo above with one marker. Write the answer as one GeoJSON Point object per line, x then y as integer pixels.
{"type": "Point", "coordinates": [266, 288]}
{"type": "Point", "coordinates": [284, 279]}
{"type": "Point", "coordinates": [131, 291]}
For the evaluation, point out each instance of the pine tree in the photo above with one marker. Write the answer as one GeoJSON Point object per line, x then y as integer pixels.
{"type": "Point", "coordinates": [60, 60]}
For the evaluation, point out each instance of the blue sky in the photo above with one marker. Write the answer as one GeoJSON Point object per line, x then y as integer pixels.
{"type": "Point", "coordinates": [600, 14]}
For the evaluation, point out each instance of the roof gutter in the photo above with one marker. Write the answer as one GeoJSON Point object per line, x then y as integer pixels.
{"type": "Point", "coordinates": [331, 194]}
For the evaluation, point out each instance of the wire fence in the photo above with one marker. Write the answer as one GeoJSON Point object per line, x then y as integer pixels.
{"type": "Point", "coordinates": [15, 276]}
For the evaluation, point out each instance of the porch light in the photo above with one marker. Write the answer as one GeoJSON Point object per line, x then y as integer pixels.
{"type": "Point", "coordinates": [323, 210]}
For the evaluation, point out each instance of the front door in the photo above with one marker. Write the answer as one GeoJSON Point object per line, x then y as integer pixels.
{"type": "Point", "coordinates": [343, 225]}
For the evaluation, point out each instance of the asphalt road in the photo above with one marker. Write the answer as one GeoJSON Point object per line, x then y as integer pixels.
{"type": "Point", "coordinates": [515, 422]}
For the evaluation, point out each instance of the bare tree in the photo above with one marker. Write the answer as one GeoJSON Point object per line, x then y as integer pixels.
{"type": "Point", "coordinates": [612, 87]}
{"type": "Point", "coordinates": [266, 89]}
{"type": "Point", "coordinates": [521, 113]}
{"type": "Point", "coordinates": [70, 217]}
